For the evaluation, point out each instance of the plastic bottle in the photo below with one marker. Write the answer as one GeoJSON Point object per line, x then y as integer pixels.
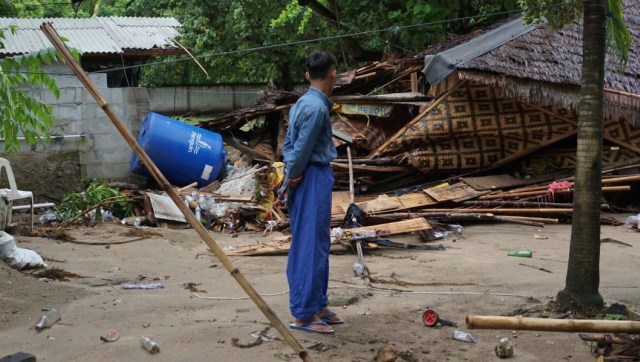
{"type": "Point", "coordinates": [455, 228]}
{"type": "Point", "coordinates": [520, 253]}
{"type": "Point", "coordinates": [51, 317]}
{"type": "Point", "coordinates": [150, 345]}
{"type": "Point", "coordinates": [198, 213]}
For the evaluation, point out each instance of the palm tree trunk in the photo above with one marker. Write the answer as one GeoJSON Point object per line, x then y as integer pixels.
{"type": "Point", "coordinates": [583, 273]}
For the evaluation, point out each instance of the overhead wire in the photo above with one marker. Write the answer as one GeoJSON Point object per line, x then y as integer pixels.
{"type": "Point", "coordinates": [326, 38]}
{"type": "Point", "coordinates": [334, 37]}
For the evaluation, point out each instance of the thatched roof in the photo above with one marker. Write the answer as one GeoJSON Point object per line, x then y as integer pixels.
{"type": "Point", "coordinates": [544, 66]}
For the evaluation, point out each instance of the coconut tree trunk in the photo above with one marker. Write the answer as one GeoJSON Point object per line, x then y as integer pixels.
{"type": "Point", "coordinates": [583, 273]}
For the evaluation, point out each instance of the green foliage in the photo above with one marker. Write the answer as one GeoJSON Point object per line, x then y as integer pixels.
{"type": "Point", "coordinates": [558, 13]}
{"type": "Point", "coordinates": [22, 115]}
{"type": "Point", "coordinates": [96, 195]}
{"type": "Point", "coordinates": [618, 36]}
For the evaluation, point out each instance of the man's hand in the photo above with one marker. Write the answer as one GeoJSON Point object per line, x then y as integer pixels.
{"type": "Point", "coordinates": [294, 182]}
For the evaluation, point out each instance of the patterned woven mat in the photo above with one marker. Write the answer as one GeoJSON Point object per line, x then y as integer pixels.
{"type": "Point", "coordinates": [475, 128]}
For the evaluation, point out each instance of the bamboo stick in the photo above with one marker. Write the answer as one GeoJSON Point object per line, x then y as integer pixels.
{"type": "Point", "coordinates": [518, 221]}
{"type": "Point", "coordinates": [189, 186]}
{"type": "Point", "coordinates": [621, 179]}
{"type": "Point", "coordinates": [516, 204]}
{"type": "Point", "coordinates": [551, 325]}
{"type": "Point", "coordinates": [541, 193]}
{"type": "Point", "coordinates": [543, 220]}
{"type": "Point", "coordinates": [506, 211]}
{"type": "Point", "coordinates": [352, 197]}
{"type": "Point", "coordinates": [52, 35]}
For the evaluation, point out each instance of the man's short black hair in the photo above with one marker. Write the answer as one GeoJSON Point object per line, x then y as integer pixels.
{"type": "Point", "coordinates": [320, 63]}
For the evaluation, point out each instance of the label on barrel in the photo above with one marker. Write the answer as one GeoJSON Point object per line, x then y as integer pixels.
{"type": "Point", "coordinates": [196, 143]}
{"type": "Point", "coordinates": [206, 172]}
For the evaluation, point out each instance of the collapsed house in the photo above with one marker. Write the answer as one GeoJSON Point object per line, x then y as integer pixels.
{"type": "Point", "coordinates": [501, 101]}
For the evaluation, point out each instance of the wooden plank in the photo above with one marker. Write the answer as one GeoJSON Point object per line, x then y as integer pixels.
{"type": "Point", "coordinates": [457, 192]}
{"type": "Point", "coordinates": [415, 200]}
{"type": "Point", "coordinates": [492, 182]}
{"type": "Point", "coordinates": [393, 228]}
{"type": "Point", "coordinates": [267, 248]}
{"type": "Point", "coordinates": [382, 203]}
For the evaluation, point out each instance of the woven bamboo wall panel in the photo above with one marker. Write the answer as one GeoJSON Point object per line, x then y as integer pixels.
{"type": "Point", "coordinates": [475, 128]}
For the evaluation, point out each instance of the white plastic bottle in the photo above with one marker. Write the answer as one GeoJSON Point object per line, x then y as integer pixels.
{"type": "Point", "coordinates": [51, 317]}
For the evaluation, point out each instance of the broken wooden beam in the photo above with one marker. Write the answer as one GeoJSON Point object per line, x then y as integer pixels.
{"type": "Point", "coordinates": [392, 228]}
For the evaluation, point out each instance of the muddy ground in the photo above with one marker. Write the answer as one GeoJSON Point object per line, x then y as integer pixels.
{"type": "Point", "coordinates": [472, 276]}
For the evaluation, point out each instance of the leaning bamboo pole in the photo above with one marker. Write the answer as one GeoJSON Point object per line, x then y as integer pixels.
{"type": "Point", "coordinates": [552, 325]}
{"type": "Point", "coordinates": [53, 36]}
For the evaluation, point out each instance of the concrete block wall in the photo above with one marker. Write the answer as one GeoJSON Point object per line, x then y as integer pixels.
{"type": "Point", "coordinates": [87, 145]}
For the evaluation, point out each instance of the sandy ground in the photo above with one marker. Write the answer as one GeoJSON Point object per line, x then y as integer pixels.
{"type": "Point", "coordinates": [189, 328]}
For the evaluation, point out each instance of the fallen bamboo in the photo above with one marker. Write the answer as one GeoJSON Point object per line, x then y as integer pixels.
{"type": "Point", "coordinates": [518, 221]}
{"type": "Point", "coordinates": [541, 193]}
{"type": "Point", "coordinates": [463, 217]}
{"type": "Point", "coordinates": [501, 203]}
{"type": "Point", "coordinates": [551, 325]}
{"type": "Point", "coordinates": [54, 38]}
{"type": "Point", "coordinates": [544, 220]}
{"type": "Point", "coordinates": [506, 211]}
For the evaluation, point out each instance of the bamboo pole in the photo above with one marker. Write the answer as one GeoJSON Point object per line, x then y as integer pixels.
{"type": "Point", "coordinates": [53, 36]}
{"type": "Point", "coordinates": [506, 211]}
{"type": "Point", "coordinates": [543, 220]}
{"type": "Point", "coordinates": [502, 203]}
{"type": "Point", "coordinates": [552, 325]}
{"type": "Point", "coordinates": [352, 197]}
{"type": "Point", "coordinates": [541, 193]}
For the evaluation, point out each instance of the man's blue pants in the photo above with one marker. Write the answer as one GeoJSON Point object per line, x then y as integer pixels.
{"type": "Point", "coordinates": [308, 263]}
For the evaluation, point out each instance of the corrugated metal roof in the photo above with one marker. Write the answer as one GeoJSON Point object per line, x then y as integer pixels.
{"type": "Point", "coordinates": [93, 35]}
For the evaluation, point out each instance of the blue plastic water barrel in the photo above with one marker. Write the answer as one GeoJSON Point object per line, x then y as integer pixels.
{"type": "Point", "coordinates": [184, 153]}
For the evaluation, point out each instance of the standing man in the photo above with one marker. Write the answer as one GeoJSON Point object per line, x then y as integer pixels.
{"type": "Point", "coordinates": [307, 151]}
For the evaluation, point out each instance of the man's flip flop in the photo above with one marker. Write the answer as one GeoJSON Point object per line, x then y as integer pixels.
{"type": "Point", "coordinates": [305, 327]}
{"type": "Point", "coordinates": [326, 319]}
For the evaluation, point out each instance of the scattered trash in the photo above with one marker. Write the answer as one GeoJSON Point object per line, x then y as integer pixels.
{"type": "Point", "coordinates": [48, 217]}
{"type": "Point", "coordinates": [150, 345]}
{"type": "Point", "coordinates": [18, 258]}
{"type": "Point", "coordinates": [263, 334]}
{"type": "Point", "coordinates": [430, 318]}
{"type": "Point", "coordinates": [193, 287]}
{"type": "Point", "coordinates": [146, 324]}
{"type": "Point", "coordinates": [133, 221]}
{"type": "Point", "coordinates": [504, 349]}
{"type": "Point", "coordinates": [463, 336]}
{"type": "Point", "coordinates": [632, 222]}
{"type": "Point", "coordinates": [320, 347]}
{"type": "Point", "coordinates": [143, 286]}
{"type": "Point", "coordinates": [111, 336]}
{"type": "Point", "coordinates": [48, 319]}
{"type": "Point", "coordinates": [520, 253]}
{"type": "Point", "coordinates": [441, 234]}
{"type": "Point", "coordinates": [18, 357]}
{"type": "Point", "coordinates": [540, 237]}
{"type": "Point", "coordinates": [235, 342]}
{"type": "Point", "coordinates": [386, 354]}
{"type": "Point", "coordinates": [358, 269]}
{"type": "Point", "coordinates": [455, 228]}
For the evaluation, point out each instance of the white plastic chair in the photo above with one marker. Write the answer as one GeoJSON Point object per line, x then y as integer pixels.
{"type": "Point", "coordinates": [13, 193]}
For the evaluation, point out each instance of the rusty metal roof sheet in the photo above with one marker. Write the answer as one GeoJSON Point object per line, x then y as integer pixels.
{"type": "Point", "coordinates": [93, 35]}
